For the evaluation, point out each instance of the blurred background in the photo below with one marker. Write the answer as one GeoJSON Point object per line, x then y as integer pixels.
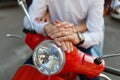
{"type": "Point", "coordinates": [14, 52]}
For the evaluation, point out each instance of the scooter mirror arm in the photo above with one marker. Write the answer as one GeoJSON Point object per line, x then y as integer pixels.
{"type": "Point", "coordinates": [21, 3]}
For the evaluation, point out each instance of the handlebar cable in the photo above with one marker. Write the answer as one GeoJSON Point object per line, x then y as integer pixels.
{"type": "Point", "coordinates": [110, 55]}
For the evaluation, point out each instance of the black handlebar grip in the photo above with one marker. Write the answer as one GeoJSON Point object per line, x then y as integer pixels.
{"type": "Point", "coordinates": [112, 70]}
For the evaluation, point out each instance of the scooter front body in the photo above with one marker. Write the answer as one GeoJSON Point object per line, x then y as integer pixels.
{"type": "Point", "coordinates": [76, 62]}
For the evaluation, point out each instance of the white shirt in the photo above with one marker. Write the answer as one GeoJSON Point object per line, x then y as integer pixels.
{"type": "Point", "coordinates": [74, 11]}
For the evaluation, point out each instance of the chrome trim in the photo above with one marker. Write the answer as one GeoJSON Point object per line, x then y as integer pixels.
{"type": "Point", "coordinates": [14, 36]}
{"type": "Point", "coordinates": [104, 77]}
{"type": "Point", "coordinates": [22, 3]}
{"type": "Point", "coordinates": [48, 58]}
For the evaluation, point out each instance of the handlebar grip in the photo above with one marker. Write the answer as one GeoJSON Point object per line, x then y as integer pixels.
{"type": "Point", "coordinates": [112, 70]}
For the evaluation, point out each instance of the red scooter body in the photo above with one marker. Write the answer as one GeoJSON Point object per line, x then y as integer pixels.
{"type": "Point", "coordinates": [77, 62]}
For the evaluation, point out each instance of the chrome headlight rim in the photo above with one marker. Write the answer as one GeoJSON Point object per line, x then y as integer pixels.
{"type": "Point", "coordinates": [61, 56]}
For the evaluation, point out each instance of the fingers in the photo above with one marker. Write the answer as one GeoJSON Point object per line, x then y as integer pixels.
{"type": "Point", "coordinates": [61, 29]}
{"type": "Point", "coordinates": [59, 33]}
{"type": "Point", "coordinates": [49, 28]}
{"type": "Point", "coordinates": [64, 24]}
{"type": "Point", "coordinates": [67, 46]}
{"type": "Point", "coordinates": [56, 30]}
{"type": "Point", "coordinates": [64, 45]}
{"type": "Point", "coordinates": [71, 46]}
{"type": "Point", "coordinates": [57, 42]}
{"type": "Point", "coordinates": [73, 38]}
{"type": "Point", "coordinates": [63, 35]}
{"type": "Point", "coordinates": [66, 38]}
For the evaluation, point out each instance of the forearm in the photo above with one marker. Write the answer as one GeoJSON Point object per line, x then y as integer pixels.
{"type": "Point", "coordinates": [93, 34]}
{"type": "Point", "coordinates": [82, 27]}
{"type": "Point", "coordinates": [38, 27]}
{"type": "Point", "coordinates": [92, 38]}
{"type": "Point", "coordinates": [95, 25]}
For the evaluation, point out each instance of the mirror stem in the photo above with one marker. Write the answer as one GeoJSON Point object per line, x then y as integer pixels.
{"type": "Point", "coordinates": [26, 12]}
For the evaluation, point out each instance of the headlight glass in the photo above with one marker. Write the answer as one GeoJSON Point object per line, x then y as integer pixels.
{"type": "Point", "coordinates": [48, 58]}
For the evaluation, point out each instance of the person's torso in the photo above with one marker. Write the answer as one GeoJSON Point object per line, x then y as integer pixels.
{"type": "Point", "coordinates": [74, 11]}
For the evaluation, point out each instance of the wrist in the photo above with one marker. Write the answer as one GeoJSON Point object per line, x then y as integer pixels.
{"type": "Point", "coordinates": [47, 28]}
{"type": "Point", "coordinates": [81, 38]}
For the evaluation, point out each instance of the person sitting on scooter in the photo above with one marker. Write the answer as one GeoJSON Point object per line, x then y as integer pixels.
{"type": "Point", "coordinates": [67, 19]}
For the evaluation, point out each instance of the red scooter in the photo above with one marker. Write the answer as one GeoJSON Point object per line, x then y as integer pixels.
{"type": "Point", "coordinates": [51, 63]}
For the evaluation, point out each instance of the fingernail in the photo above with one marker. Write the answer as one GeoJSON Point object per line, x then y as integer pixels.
{"type": "Point", "coordinates": [51, 37]}
{"type": "Point", "coordinates": [71, 49]}
{"type": "Point", "coordinates": [66, 26]}
{"type": "Point", "coordinates": [58, 25]}
{"type": "Point", "coordinates": [65, 49]}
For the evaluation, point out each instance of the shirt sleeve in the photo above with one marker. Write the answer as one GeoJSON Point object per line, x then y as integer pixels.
{"type": "Point", "coordinates": [37, 9]}
{"type": "Point", "coordinates": [95, 25]}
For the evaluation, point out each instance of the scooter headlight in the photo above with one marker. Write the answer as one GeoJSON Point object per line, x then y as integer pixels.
{"type": "Point", "coordinates": [48, 58]}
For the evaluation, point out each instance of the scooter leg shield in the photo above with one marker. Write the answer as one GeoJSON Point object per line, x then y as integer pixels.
{"type": "Point", "coordinates": [29, 72]}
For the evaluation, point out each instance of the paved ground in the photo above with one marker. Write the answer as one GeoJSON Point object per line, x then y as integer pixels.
{"type": "Point", "coordinates": [13, 52]}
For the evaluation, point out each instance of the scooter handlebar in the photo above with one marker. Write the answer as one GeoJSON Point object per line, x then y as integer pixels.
{"type": "Point", "coordinates": [112, 70]}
